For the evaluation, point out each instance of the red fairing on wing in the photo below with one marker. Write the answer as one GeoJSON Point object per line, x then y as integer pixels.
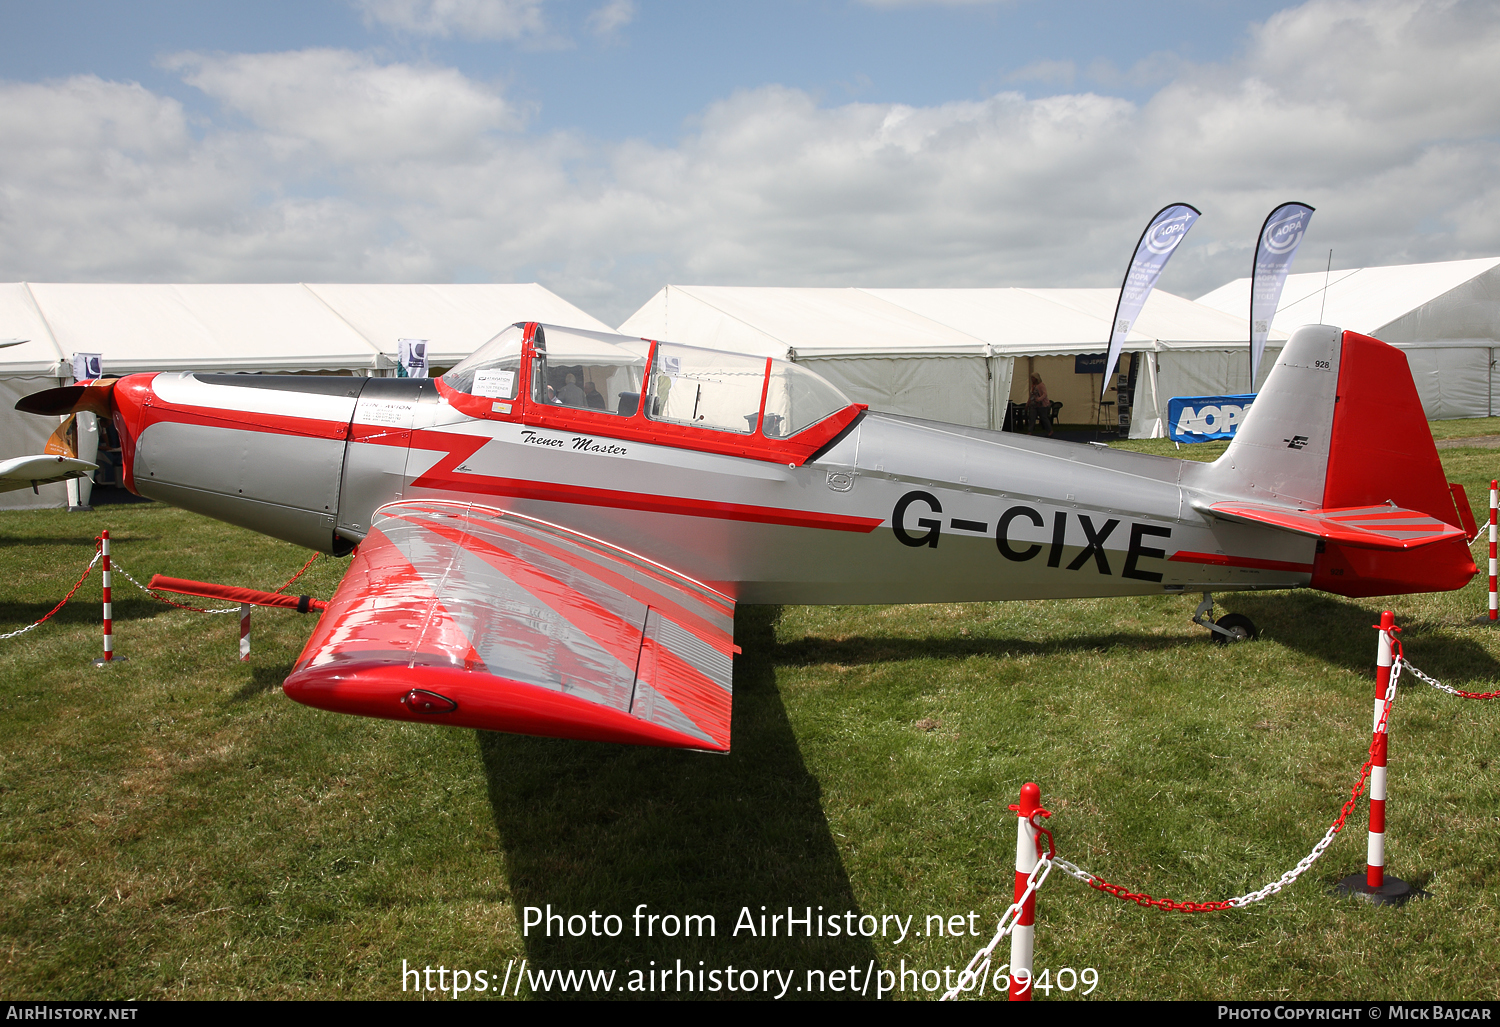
{"type": "Point", "coordinates": [505, 623]}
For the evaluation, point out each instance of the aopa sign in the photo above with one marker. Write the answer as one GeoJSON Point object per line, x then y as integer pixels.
{"type": "Point", "coordinates": [1205, 418]}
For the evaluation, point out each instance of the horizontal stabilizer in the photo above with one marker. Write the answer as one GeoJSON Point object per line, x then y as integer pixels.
{"type": "Point", "coordinates": [1366, 527]}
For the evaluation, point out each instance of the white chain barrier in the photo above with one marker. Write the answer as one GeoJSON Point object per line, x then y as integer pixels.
{"type": "Point", "coordinates": [1401, 663]}
{"type": "Point", "coordinates": [978, 970]}
{"type": "Point", "coordinates": [152, 594]}
{"type": "Point", "coordinates": [1285, 880]}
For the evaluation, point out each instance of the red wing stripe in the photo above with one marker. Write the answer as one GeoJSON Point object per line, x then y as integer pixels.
{"type": "Point", "coordinates": [1220, 560]}
{"type": "Point", "coordinates": [701, 700]}
{"type": "Point", "coordinates": [702, 628]}
{"type": "Point", "coordinates": [600, 624]}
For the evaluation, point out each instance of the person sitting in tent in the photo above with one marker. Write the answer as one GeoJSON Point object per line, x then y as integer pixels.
{"type": "Point", "coordinates": [1038, 406]}
{"type": "Point", "coordinates": [572, 395]}
{"type": "Point", "coordinates": [592, 396]}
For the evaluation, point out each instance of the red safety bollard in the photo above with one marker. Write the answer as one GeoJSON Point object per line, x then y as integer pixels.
{"type": "Point", "coordinates": [109, 606]}
{"type": "Point", "coordinates": [1494, 562]}
{"type": "Point", "coordinates": [1373, 884]}
{"type": "Point", "coordinates": [245, 609]}
{"type": "Point", "coordinates": [1023, 935]}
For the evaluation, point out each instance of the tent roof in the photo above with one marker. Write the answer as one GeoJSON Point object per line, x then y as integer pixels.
{"type": "Point", "coordinates": [934, 322]}
{"type": "Point", "coordinates": [454, 319]}
{"type": "Point", "coordinates": [39, 355]}
{"type": "Point", "coordinates": [278, 327]}
{"type": "Point", "coordinates": [1361, 299]}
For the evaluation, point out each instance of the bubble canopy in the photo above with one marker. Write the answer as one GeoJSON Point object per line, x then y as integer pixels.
{"type": "Point", "coordinates": [665, 383]}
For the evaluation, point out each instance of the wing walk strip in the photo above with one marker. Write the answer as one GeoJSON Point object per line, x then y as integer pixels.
{"type": "Point", "coordinates": [1368, 527]}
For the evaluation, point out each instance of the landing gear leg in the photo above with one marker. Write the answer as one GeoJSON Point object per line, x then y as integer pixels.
{"type": "Point", "coordinates": [1232, 627]}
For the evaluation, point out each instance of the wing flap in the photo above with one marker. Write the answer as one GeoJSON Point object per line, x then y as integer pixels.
{"type": "Point", "coordinates": [523, 626]}
{"type": "Point", "coordinates": [1365, 527]}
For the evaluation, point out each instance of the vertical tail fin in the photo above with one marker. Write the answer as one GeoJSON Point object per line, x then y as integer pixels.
{"type": "Point", "coordinates": [1338, 430]}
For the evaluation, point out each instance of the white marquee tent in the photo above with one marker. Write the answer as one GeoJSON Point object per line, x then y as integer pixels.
{"type": "Point", "coordinates": [1445, 316]}
{"type": "Point", "coordinates": [268, 328]}
{"type": "Point", "coordinates": [951, 354]}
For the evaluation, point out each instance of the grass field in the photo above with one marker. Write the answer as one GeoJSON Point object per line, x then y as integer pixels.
{"type": "Point", "coordinates": [172, 827]}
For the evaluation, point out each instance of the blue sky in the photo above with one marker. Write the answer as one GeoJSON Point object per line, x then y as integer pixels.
{"type": "Point", "coordinates": [605, 148]}
{"type": "Point", "coordinates": [649, 76]}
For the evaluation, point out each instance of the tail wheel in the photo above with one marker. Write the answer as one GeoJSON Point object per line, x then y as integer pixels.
{"type": "Point", "coordinates": [1240, 628]}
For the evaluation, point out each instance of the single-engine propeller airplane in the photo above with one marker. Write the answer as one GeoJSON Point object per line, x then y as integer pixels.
{"type": "Point", "coordinates": [551, 538]}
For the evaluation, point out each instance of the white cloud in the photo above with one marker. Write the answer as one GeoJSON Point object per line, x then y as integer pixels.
{"type": "Point", "coordinates": [352, 108]}
{"type": "Point", "coordinates": [611, 17]}
{"type": "Point", "coordinates": [467, 19]}
{"type": "Point", "coordinates": [331, 165]}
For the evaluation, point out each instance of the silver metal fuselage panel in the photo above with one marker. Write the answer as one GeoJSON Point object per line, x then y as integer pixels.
{"type": "Point", "coordinates": [899, 510]}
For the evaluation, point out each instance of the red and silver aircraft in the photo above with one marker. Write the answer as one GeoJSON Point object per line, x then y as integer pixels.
{"type": "Point", "coordinates": [551, 538]}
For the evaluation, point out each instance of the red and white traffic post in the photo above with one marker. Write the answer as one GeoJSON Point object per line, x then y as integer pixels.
{"type": "Point", "coordinates": [1494, 562]}
{"type": "Point", "coordinates": [109, 606]}
{"type": "Point", "coordinates": [1023, 935]}
{"type": "Point", "coordinates": [245, 609]}
{"type": "Point", "coordinates": [1373, 884]}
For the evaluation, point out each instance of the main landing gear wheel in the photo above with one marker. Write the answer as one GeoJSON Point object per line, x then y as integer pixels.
{"type": "Point", "coordinates": [1239, 628]}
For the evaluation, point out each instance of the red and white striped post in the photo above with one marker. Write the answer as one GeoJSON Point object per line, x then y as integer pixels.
{"type": "Point", "coordinates": [1494, 562]}
{"type": "Point", "coordinates": [109, 606]}
{"type": "Point", "coordinates": [1373, 884]}
{"type": "Point", "coordinates": [1375, 853]}
{"type": "Point", "coordinates": [245, 631]}
{"type": "Point", "coordinates": [1023, 935]}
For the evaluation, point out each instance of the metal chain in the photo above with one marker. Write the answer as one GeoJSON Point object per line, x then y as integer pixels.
{"type": "Point", "coordinates": [1303, 865]}
{"type": "Point", "coordinates": [979, 967]}
{"type": "Point", "coordinates": [98, 554]}
{"type": "Point", "coordinates": [1401, 660]}
{"type": "Point", "coordinates": [115, 565]}
{"type": "Point", "coordinates": [299, 574]}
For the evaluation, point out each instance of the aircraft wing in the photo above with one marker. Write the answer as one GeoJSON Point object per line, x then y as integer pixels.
{"type": "Point", "coordinates": [460, 614]}
{"type": "Point", "coordinates": [24, 472]}
{"type": "Point", "coordinates": [1367, 527]}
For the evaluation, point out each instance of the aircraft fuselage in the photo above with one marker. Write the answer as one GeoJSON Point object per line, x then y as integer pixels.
{"type": "Point", "coordinates": [893, 510]}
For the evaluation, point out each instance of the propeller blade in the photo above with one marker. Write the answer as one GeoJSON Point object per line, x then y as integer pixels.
{"type": "Point", "coordinates": [96, 398]}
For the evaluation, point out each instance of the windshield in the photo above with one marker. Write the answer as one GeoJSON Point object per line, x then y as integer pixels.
{"type": "Point", "coordinates": [493, 369]}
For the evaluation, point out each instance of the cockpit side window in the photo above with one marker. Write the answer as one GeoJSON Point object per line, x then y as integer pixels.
{"type": "Point", "coordinates": [588, 370]}
{"type": "Point", "coordinates": [706, 388]}
{"type": "Point", "coordinates": [797, 398]}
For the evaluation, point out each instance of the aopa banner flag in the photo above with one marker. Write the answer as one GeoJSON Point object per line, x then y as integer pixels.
{"type": "Point", "coordinates": [411, 358]}
{"type": "Point", "coordinates": [1279, 238]}
{"type": "Point", "coordinates": [1157, 244]}
{"type": "Point", "coordinates": [1205, 418]}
